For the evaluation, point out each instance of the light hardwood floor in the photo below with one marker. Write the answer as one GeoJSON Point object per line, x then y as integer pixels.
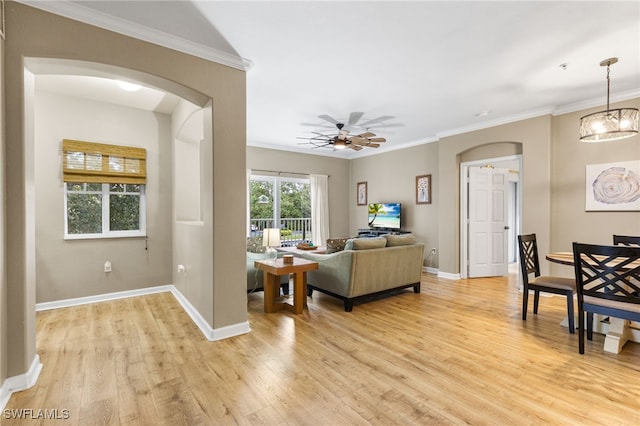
{"type": "Point", "coordinates": [456, 353]}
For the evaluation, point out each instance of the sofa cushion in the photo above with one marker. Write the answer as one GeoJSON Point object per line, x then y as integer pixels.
{"type": "Point", "coordinates": [251, 256]}
{"type": "Point", "coordinates": [400, 239]}
{"type": "Point", "coordinates": [369, 243]}
{"type": "Point", "coordinates": [336, 244]}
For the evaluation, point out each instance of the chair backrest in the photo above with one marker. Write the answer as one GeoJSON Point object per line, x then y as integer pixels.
{"type": "Point", "coordinates": [626, 240]}
{"type": "Point", "coordinates": [529, 262]}
{"type": "Point", "coordinates": [607, 272]}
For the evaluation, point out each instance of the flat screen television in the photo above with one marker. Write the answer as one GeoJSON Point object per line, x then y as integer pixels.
{"type": "Point", "coordinates": [384, 215]}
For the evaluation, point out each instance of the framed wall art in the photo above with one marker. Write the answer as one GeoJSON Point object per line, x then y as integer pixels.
{"type": "Point", "coordinates": [361, 191]}
{"type": "Point", "coordinates": [613, 186]}
{"type": "Point", "coordinates": [423, 189]}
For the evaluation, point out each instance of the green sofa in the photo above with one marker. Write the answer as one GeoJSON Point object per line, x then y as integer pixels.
{"type": "Point", "coordinates": [367, 267]}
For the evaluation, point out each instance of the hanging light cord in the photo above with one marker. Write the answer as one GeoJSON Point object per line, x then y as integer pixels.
{"type": "Point", "coordinates": [608, 83]}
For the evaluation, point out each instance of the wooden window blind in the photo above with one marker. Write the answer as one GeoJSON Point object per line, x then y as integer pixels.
{"type": "Point", "coordinates": [102, 163]}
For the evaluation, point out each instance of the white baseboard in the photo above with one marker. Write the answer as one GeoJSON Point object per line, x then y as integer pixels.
{"type": "Point", "coordinates": [430, 270]}
{"type": "Point", "coordinates": [212, 334]}
{"type": "Point", "coordinates": [448, 275]}
{"type": "Point", "coordinates": [66, 303]}
{"type": "Point", "coordinates": [20, 382]}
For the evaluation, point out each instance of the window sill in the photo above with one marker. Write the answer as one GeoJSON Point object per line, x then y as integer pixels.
{"type": "Point", "coordinates": [74, 237]}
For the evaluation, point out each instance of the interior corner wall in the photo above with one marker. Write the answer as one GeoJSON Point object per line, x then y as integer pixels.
{"type": "Point", "coordinates": [29, 35]}
{"type": "Point", "coordinates": [391, 178]}
{"type": "Point", "coordinates": [569, 220]}
{"type": "Point", "coordinates": [336, 168]}
{"type": "Point", "coordinates": [3, 241]}
{"type": "Point", "coordinates": [535, 136]}
{"type": "Point", "coordinates": [68, 269]}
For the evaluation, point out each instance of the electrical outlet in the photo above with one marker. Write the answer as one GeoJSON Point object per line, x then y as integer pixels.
{"type": "Point", "coordinates": [107, 266]}
{"type": "Point", "coordinates": [434, 251]}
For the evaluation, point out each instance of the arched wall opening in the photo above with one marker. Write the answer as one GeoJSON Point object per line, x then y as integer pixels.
{"type": "Point", "coordinates": [498, 155]}
{"type": "Point", "coordinates": [219, 89]}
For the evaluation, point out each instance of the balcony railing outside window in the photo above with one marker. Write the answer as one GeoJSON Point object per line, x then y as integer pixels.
{"type": "Point", "coordinates": [292, 230]}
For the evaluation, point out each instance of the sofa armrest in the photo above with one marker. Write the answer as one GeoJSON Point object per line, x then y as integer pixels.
{"type": "Point", "coordinates": [333, 273]}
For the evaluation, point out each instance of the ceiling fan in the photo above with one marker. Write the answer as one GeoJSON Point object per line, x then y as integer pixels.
{"type": "Point", "coordinates": [342, 140]}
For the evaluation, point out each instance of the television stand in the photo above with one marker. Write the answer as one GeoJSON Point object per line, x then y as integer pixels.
{"type": "Point", "coordinates": [377, 232]}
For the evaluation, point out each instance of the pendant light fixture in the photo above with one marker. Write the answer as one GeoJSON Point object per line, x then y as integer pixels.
{"type": "Point", "coordinates": [612, 124]}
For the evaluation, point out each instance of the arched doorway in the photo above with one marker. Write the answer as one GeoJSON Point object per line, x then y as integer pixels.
{"type": "Point", "coordinates": [489, 155]}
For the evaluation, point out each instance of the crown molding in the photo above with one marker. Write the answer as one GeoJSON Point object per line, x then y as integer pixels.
{"type": "Point", "coordinates": [599, 102]}
{"type": "Point", "coordinates": [497, 122]}
{"type": "Point", "coordinates": [99, 19]}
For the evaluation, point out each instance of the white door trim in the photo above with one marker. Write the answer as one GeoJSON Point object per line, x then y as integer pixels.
{"type": "Point", "coordinates": [464, 171]}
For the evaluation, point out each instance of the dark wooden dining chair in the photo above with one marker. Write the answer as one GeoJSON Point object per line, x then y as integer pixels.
{"type": "Point", "coordinates": [530, 264]}
{"type": "Point", "coordinates": [608, 283]}
{"type": "Point", "coordinates": [626, 240]}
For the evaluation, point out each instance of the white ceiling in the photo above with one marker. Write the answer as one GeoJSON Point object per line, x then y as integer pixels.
{"type": "Point", "coordinates": [431, 66]}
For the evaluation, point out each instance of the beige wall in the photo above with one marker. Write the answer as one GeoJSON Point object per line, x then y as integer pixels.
{"type": "Point", "coordinates": [3, 276]}
{"type": "Point", "coordinates": [336, 168]}
{"type": "Point", "coordinates": [34, 33]}
{"type": "Point", "coordinates": [569, 220]}
{"type": "Point", "coordinates": [535, 136]}
{"type": "Point", "coordinates": [74, 268]}
{"type": "Point", "coordinates": [391, 177]}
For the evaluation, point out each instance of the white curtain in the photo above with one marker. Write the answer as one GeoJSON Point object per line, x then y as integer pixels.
{"type": "Point", "coordinates": [319, 209]}
{"type": "Point", "coordinates": [248, 202]}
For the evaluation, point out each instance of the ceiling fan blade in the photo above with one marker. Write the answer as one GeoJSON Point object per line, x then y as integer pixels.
{"type": "Point", "coordinates": [319, 124]}
{"type": "Point", "coordinates": [355, 147]}
{"type": "Point", "coordinates": [366, 135]}
{"type": "Point", "coordinates": [377, 139]}
{"type": "Point", "coordinates": [376, 120]}
{"type": "Point", "coordinates": [384, 126]}
{"type": "Point", "coordinates": [365, 142]}
{"type": "Point", "coordinates": [328, 118]}
{"type": "Point", "coordinates": [356, 139]}
{"type": "Point", "coordinates": [354, 117]}
{"type": "Point", "coordinates": [315, 138]}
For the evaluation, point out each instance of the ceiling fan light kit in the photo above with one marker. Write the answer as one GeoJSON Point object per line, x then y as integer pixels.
{"type": "Point", "coordinates": [611, 124]}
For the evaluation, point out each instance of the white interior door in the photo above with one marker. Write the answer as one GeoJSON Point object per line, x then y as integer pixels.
{"type": "Point", "coordinates": [488, 230]}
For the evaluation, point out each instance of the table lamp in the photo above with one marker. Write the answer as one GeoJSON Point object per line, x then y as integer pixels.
{"type": "Point", "coordinates": [271, 239]}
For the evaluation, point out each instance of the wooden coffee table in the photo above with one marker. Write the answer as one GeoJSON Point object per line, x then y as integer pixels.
{"type": "Point", "coordinates": [272, 270]}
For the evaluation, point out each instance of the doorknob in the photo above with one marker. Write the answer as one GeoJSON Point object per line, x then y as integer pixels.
{"type": "Point", "coordinates": [506, 227]}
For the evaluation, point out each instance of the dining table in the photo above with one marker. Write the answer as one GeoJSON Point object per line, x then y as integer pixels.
{"type": "Point", "coordinates": [617, 331]}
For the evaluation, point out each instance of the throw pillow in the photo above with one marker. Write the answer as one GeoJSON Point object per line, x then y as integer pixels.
{"type": "Point", "coordinates": [369, 243]}
{"type": "Point", "coordinates": [400, 240]}
{"type": "Point", "coordinates": [254, 245]}
{"type": "Point", "coordinates": [336, 244]}
{"type": "Point", "coordinates": [349, 244]}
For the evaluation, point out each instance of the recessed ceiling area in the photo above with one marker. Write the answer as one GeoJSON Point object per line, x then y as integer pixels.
{"type": "Point", "coordinates": [108, 91]}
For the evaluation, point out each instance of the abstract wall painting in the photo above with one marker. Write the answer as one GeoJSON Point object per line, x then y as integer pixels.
{"type": "Point", "coordinates": [613, 186]}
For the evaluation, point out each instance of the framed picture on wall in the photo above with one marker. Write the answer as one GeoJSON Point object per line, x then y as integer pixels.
{"type": "Point", "coordinates": [613, 186]}
{"type": "Point", "coordinates": [361, 193]}
{"type": "Point", "coordinates": [423, 189]}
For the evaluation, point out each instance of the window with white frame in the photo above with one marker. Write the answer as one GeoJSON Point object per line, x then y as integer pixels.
{"type": "Point", "coordinates": [280, 202]}
{"type": "Point", "coordinates": [104, 190]}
